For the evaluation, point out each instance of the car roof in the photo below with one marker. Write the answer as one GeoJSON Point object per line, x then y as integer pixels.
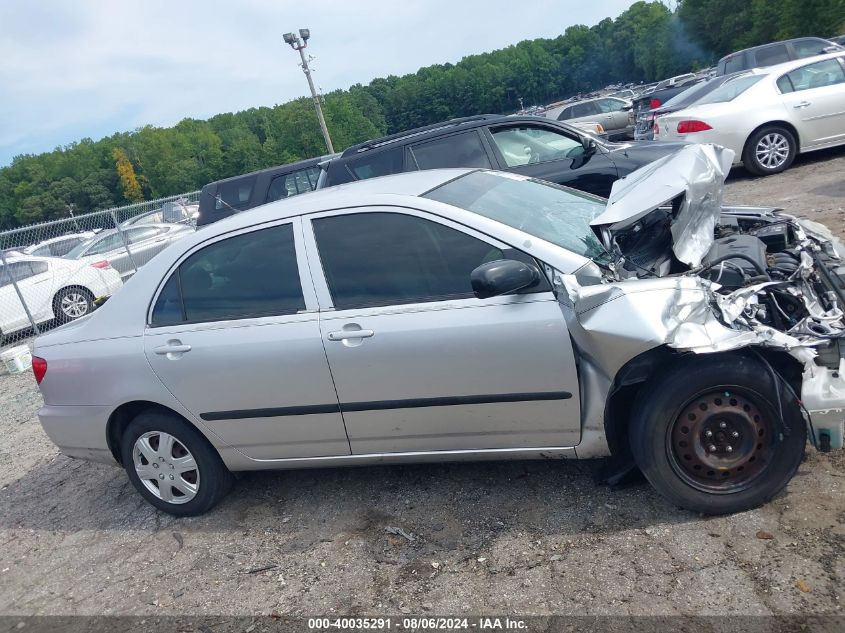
{"type": "Point", "coordinates": [794, 39]}
{"type": "Point", "coordinates": [281, 169]}
{"type": "Point", "coordinates": [383, 190]}
{"type": "Point", "coordinates": [796, 63]}
{"type": "Point", "coordinates": [443, 127]}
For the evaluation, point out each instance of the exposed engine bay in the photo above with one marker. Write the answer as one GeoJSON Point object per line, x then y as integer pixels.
{"type": "Point", "coordinates": [705, 278]}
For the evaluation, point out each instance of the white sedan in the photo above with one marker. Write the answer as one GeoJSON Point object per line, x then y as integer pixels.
{"type": "Point", "coordinates": [768, 116]}
{"type": "Point", "coordinates": [52, 288]}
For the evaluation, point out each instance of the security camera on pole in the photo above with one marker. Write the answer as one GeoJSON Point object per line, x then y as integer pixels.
{"type": "Point", "coordinates": [298, 44]}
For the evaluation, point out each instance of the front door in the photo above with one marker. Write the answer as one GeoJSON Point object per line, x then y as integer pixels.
{"type": "Point", "coordinates": [550, 154]}
{"type": "Point", "coordinates": [817, 101]}
{"type": "Point", "coordinates": [419, 363]}
{"type": "Point", "coordinates": [236, 340]}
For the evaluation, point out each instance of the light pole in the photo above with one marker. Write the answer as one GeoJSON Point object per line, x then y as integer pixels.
{"type": "Point", "coordinates": [298, 44]}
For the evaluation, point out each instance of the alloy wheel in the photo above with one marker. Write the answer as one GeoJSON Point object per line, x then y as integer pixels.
{"type": "Point", "coordinates": [772, 150]}
{"type": "Point", "coordinates": [166, 467]}
{"type": "Point", "coordinates": [74, 305]}
{"type": "Point", "coordinates": [720, 442]}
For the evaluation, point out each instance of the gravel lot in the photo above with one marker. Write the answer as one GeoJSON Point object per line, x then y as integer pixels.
{"type": "Point", "coordinates": [527, 538]}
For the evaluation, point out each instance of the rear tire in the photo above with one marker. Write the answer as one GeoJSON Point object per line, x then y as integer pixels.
{"type": "Point", "coordinates": [769, 150]}
{"type": "Point", "coordinates": [173, 465]}
{"type": "Point", "coordinates": [705, 433]}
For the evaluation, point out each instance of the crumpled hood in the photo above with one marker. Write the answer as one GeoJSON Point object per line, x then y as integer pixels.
{"type": "Point", "coordinates": [692, 178]}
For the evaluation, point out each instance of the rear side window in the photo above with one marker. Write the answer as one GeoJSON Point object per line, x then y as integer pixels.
{"type": "Point", "coordinates": [373, 259]}
{"type": "Point", "coordinates": [733, 64]}
{"type": "Point", "coordinates": [293, 184]}
{"type": "Point", "coordinates": [818, 75]}
{"type": "Point", "coordinates": [64, 247]}
{"type": "Point", "coordinates": [235, 193]}
{"type": "Point", "coordinates": [377, 163]}
{"type": "Point", "coordinates": [771, 55]}
{"type": "Point", "coordinates": [458, 150]}
{"type": "Point", "coordinates": [246, 276]}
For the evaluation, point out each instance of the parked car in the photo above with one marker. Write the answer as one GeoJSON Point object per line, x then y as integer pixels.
{"type": "Point", "coordinates": [58, 246]}
{"type": "Point", "coordinates": [839, 39]}
{"type": "Point", "coordinates": [644, 130]}
{"type": "Point", "coordinates": [466, 314]}
{"type": "Point", "coordinates": [169, 213]}
{"type": "Point", "coordinates": [774, 53]}
{"type": "Point", "coordinates": [653, 99]}
{"type": "Point", "coordinates": [770, 115]}
{"type": "Point", "coordinates": [612, 113]}
{"type": "Point", "coordinates": [226, 197]}
{"type": "Point", "coordinates": [52, 289]}
{"type": "Point", "coordinates": [125, 250]}
{"type": "Point", "coordinates": [531, 146]}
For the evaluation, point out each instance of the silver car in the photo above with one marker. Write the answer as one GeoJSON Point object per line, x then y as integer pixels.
{"type": "Point", "coordinates": [466, 315]}
{"type": "Point", "coordinates": [614, 115]}
{"type": "Point", "coordinates": [129, 248]}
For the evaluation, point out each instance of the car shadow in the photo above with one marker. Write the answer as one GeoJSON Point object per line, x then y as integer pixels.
{"type": "Point", "coordinates": [455, 503]}
{"type": "Point", "coordinates": [739, 174]}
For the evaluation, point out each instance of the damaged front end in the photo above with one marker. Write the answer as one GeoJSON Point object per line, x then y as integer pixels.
{"type": "Point", "coordinates": [691, 275]}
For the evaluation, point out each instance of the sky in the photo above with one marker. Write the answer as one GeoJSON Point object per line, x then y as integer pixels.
{"type": "Point", "coordinates": [70, 70]}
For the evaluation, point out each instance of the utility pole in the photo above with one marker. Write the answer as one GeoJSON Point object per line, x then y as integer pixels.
{"type": "Point", "coordinates": [298, 44]}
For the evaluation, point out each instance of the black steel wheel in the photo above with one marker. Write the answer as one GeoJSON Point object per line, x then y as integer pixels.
{"type": "Point", "coordinates": [707, 432]}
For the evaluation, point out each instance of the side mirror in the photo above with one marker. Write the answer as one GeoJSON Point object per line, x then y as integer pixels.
{"type": "Point", "coordinates": [589, 145]}
{"type": "Point", "coordinates": [502, 277]}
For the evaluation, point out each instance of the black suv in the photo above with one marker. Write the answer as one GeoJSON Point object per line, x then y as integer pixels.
{"type": "Point", "coordinates": [528, 145]}
{"type": "Point", "coordinates": [774, 53]}
{"type": "Point", "coordinates": [226, 197]}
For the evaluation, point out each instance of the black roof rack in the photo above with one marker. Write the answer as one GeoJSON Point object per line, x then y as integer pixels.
{"type": "Point", "coordinates": [384, 140]}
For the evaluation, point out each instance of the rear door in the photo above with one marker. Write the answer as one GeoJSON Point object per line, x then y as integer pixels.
{"type": "Point", "coordinates": [234, 335]}
{"type": "Point", "coordinates": [814, 95]}
{"type": "Point", "coordinates": [550, 153]}
{"type": "Point", "coordinates": [465, 149]}
{"type": "Point", "coordinates": [421, 364]}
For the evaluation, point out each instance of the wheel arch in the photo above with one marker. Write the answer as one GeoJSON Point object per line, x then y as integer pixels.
{"type": "Point", "coordinates": [121, 417]}
{"type": "Point", "coordinates": [76, 286]}
{"type": "Point", "coordinates": [775, 123]}
{"type": "Point", "coordinates": [636, 373]}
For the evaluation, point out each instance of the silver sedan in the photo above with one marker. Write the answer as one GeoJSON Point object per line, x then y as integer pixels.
{"type": "Point", "coordinates": [462, 315]}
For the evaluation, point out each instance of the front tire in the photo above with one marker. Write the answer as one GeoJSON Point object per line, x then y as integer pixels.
{"type": "Point", "coordinates": [73, 303]}
{"type": "Point", "coordinates": [770, 150]}
{"type": "Point", "coordinates": [706, 434]}
{"type": "Point", "coordinates": [172, 465]}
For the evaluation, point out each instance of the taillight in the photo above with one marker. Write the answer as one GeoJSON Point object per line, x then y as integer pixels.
{"type": "Point", "coordinates": [654, 104]}
{"type": "Point", "coordinates": [39, 368]}
{"type": "Point", "coordinates": [102, 264]}
{"type": "Point", "coordinates": [691, 125]}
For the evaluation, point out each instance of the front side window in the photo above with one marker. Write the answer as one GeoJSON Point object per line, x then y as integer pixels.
{"type": "Point", "coordinates": [377, 163]}
{"type": "Point", "coordinates": [771, 55]}
{"type": "Point", "coordinates": [246, 276]}
{"type": "Point", "coordinates": [524, 145]}
{"type": "Point", "coordinates": [826, 73]}
{"type": "Point", "coordinates": [611, 105]}
{"type": "Point", "coordinates": [373, 259]}
{"type": "Point", "coordinates": [809, 47]}
{"type": "Point", "coordinates": [106, 244]}
{"type": "Point", "coordinates": [458, 150]}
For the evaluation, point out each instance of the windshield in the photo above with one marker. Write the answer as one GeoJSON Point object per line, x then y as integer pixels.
{"type": "Point", "coordinates": [77, 250]}
{"type": "Point", "coordinates": [556, 214]}
{"type": "Point", "coordinates": [730, 90]}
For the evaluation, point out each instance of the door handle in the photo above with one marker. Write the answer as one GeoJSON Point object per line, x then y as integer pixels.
{"type": "Point", "coordinates": [802, 104]}
{"type": "Point", "coordinates": [340, 335]}
{"type": "Point", "coordinates": [175, 348]}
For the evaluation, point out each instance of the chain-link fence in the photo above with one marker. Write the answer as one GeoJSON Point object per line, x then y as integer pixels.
{"type": "Point", "coordinates": [55, 272]}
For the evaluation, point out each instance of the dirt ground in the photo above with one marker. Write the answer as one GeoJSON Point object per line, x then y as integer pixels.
{"type": "Point", "coordinates": [526, 538]}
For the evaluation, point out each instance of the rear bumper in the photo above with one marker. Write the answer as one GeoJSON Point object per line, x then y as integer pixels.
{"type": "Point", "coordinates": [78, 431]}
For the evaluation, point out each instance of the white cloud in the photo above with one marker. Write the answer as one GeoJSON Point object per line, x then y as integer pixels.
{"type": "Point", "coordinates": [71, 70]}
